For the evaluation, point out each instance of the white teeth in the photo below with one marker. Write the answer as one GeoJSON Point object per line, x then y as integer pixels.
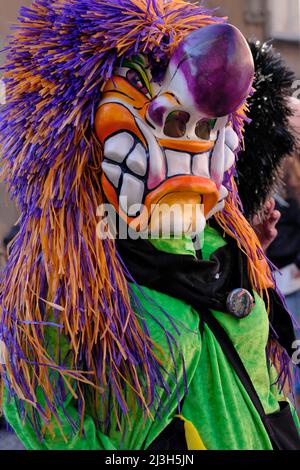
{"type": "Point", "coordinates": [178, 163]}
{"type": "Point", "coordinates": [229, 158]}
{"type": "Point", "coordinates": [137, 161]}
{"type": "Point", "coordinates": [231, 139]}
{"type": "Point", "coordinates": [113, 173]}
{"type": "Point", "coordinates": [220, 124]}
{"type": "Point", "coordinates": [131, 196]}
{"type": "Point", "coordinates": [157, 166]}
{"type": "Point", "coordinates": [213, 135]}
{"type": "Point", "coordinates": [117, 147]}
{"type": "Point", "coordinates": [217, 159]}
{"type": "Point", "coordinates": [223, 193]}
{"type": "Point", "coordinates": [201, 165]}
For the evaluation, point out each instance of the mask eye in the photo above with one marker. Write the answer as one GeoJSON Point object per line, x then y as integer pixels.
{"type": "Point", "coordinates": [134, 77]}
{"type": "Point", "coordinates": [175, 125]}
{"type": "Point", "coordinates": [204, 128]}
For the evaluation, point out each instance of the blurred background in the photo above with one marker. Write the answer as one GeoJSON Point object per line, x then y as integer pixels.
{"type": "Point", "coordinates": [277, 20]}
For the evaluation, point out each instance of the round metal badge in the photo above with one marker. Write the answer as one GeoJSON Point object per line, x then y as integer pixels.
{"type": "Point", "coordinates": [240, 303]}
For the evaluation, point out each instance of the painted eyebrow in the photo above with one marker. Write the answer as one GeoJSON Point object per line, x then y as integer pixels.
{"type": "Point", "coordinates": [173, 96]}
{"type": "Point", "coordinates": [142, 70]}
{"type": "Point", "coordinates": [139, 59]}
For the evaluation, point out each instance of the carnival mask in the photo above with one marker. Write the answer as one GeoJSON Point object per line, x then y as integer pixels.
{"type": "Point", "coordinates": [171, 141]}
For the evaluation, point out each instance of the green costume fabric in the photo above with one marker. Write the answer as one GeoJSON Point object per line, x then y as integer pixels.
{"type": "Point", "coordinates": [217, 404]}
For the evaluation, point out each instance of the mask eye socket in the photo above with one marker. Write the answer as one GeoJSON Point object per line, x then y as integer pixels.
{"type": "Point", "coordinates": [204, 128]}
{"type": "Point", "coordinates": [175, 125]}
{"type": "Point", "coordinates": [135, 78]}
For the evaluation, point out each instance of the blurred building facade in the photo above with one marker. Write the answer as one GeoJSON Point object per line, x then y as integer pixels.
{"type": "Point", "coordinates": [275, 20]}
{"type": "Point", "coordinates": [8, 14]}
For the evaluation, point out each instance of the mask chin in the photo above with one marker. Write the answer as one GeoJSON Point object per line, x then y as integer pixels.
{"type": "Point", "coordinates": [178, 214]}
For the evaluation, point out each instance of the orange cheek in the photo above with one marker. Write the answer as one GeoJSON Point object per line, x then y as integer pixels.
{"type": "Point", "coordinates": [119, 87]}
{"type": "Point", "coordinates": [112, 118]}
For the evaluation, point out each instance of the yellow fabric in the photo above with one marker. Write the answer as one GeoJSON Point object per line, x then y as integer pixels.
{"type": "Point", "coordinates": [193, 439]}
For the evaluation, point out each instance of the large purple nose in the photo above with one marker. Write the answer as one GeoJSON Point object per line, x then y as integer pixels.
{"type": "Point", "coordinates": [218, 67]}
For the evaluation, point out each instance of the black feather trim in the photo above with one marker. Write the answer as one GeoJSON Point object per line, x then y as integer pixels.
{"type": "Point", "coordinates": [268, 137]}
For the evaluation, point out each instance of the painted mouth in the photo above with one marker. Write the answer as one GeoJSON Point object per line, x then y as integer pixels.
{"type": "Point", "coordinates": [127, 172]}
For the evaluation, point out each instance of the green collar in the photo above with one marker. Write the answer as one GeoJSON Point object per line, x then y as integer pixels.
{"type": "Point", "coordinates": [210, 241]}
